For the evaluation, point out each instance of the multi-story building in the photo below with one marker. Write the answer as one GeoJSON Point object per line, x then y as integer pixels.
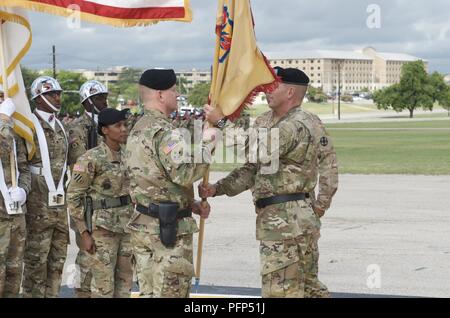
{"type": "Point", "coordinates": [194, 77]}
{"type": "Point", "coordinates": [106, 76]}
{"type": "Point", "coordinates": [358, 70]}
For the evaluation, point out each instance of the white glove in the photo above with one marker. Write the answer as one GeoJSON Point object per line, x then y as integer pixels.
{"type": "Point", "coordinates": [18, 195]}
{"type": "Point", "coordinates": [7, 107]}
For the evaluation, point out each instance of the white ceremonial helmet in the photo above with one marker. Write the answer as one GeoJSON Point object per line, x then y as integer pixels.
{"type": "Point", "coordinates": [91, 88]}
{"type": "Point", "coordinates": [44, 84]}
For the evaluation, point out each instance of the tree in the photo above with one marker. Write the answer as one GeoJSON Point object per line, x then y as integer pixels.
{"type": "Point", "coordinates": [181, 85]}
{"type": "Point", "coordinates": [126, 87]}
{"type": "Point", "coordinates": [414, 90]}
{"type": "Point", "coordinates": [445, 100]}
{"type": "Point", "coordinates": [199, 94]}
{"type": "Point", "coordinates": [316, 95]}
{"type": "Point", "coordinates": [440, 88]}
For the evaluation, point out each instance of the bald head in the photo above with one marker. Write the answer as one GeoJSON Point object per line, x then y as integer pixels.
{"type": "Point", "coordinates": [298, 93]}
{"type": "Point", "coordinates": [147, 95]}
{"type": "Point", "coordinates": [162, 100]}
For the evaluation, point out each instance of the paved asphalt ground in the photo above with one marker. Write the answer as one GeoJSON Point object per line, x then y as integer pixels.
{"type": "Point", "coordinates": [385, 235]}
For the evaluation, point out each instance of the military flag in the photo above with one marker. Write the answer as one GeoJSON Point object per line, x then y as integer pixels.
{"type": "Point", "coordinates": [15, 41]}
{"type": "Point", "coordinates": [121, 13]}
{"type": "Point", "coordinates": [240, 72]}
{"type": "Point", "coordinates": [240, 69]}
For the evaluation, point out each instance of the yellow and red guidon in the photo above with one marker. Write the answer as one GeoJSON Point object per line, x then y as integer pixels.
{"type": "Point", "coordinates": [225, 32]}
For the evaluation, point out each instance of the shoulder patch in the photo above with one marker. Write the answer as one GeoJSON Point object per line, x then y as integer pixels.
{"type": "Point", "coordinates": [78, 168]}
{"type": "Point", "coordinates": [170, 146]}
{"type": "Point", "coordinates": [324, 141]}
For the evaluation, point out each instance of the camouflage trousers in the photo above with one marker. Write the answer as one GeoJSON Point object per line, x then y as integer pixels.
{"type": "Point", "coordinates": [12, 243]}
{"type": "Point", "coordinates": [289, 268]}
{"type": "Point", "coordinates": [314, 288]}
{"type": "Point", "coordinates": [45, 249]}
{"type": "Point", "coordinates": [112, 273]}
{"type": "Point", "coordinates": [83, 263]}
{"type": "Point", "coordinates": [161, 271]}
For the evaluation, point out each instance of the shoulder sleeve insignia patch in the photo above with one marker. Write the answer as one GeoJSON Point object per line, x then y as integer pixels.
{"type": "Point", "coordinates": [324, 141]}
{"type": "Point", "coordinates": [78, 168]}
{"type": "Point", "coordinates": [170, 146]}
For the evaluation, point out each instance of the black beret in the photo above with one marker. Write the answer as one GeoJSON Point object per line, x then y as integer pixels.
{"type": "Point", "coordinates": [158, 79]}
{"type": "Point", "coordinates": [110, 116]}
{"type": "Point", "coordinates": [292, 76]}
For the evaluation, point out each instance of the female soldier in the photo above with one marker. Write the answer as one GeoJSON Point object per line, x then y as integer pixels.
{"type": "Point", "coordinates": [99, 189]}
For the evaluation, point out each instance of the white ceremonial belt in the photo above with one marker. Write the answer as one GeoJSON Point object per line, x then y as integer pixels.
{"type": "Point", "coordinates": [36, 170]}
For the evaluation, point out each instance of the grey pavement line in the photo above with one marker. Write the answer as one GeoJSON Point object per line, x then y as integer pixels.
{"type": "Point", "coordinates": [388, 129]}
{"type": "Point", "coordinates": [67, 292]}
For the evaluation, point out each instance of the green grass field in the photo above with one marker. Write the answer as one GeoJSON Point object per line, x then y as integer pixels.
{"type": "Point", "coordinates": [423, 147]}
{"type": "Point", "coordinates": [320, 109]}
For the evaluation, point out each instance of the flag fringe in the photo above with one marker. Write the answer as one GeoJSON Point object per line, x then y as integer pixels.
{"type": "Point", "coordinates": [122, 23]}
{"type": "Point", "coordinates": [14, 18]}
{"type": "Point", "coordinates": [264, 88]}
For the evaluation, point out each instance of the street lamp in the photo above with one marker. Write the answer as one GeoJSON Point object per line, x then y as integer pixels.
{"type": "Point", "coordinates": [339, 63]}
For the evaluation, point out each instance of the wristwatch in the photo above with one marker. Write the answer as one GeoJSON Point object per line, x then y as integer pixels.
{"type": "Point", "coordinates": [221, 123]}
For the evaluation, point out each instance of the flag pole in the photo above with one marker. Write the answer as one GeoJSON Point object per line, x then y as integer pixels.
{"type": "Point", "coordinates": [5, 90]}
{"type": "Point", "coordinates": [201, 232]}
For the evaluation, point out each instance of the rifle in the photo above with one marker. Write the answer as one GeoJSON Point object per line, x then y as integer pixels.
{"type": "Point", "coordinates": [88, 211]}
{"type": "Point", "coordinates": [92, 133]}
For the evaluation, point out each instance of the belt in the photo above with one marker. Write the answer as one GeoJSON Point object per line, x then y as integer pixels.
{"type": "Point", "coordinates": [282, 198]}
{"type": "Point", "coordinates": [154, 213]}
{"type": "Point", "coordinates": [36, 170]}
{"type": "Point", "coordinates": [109, 203]}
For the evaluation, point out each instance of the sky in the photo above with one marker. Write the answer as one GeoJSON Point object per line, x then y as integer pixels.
{"type": "Point", "coordinates": [419, 28]}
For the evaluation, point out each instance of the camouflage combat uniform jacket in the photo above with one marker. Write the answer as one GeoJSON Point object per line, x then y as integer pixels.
{"type": "Point", "coordinates": [7, 136]}
{"type": "Point", "coordinates": [57, 150]}
{"type": "Point", "coordinates": [328, 165]}
{"type": "Point", "coordinates": [296, 173]}
{"type": "Point", "coordinates": [78, 137]}
{"type": "Point", "coordinates": [100, 174]}
{"type": "Point", "coordinates": [154, 156]}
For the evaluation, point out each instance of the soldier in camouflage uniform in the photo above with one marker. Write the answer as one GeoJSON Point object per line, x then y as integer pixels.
{"type": "Point", "coordinates": [328, 184]}
{"type": "Point", "coordinates": [83, 135]}
{"type": "Point", "coordinates": [161, 187]}
{"type": "Point", "coordinates": [286, 223]}
{"type": "Point", "coordinates": [100, 175]}
{"type": "Point", "coordinates": [46, 218]}
{"type": "Point", "coordinates": [12, 226]}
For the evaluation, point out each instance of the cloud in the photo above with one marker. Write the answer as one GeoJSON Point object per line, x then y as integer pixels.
{"type": "Point", "coordinates": [419, 28]}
